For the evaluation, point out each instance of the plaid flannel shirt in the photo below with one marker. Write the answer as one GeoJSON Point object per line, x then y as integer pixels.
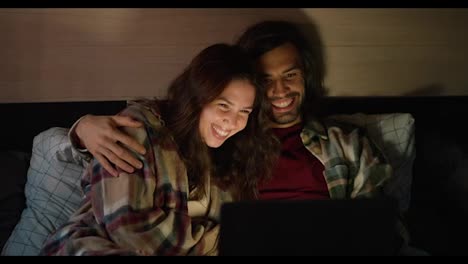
{"type": "Point", "coordinates": [353, 166]}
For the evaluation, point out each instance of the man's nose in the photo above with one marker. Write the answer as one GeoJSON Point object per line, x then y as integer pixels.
{"type": "Point", "coordinates": [279, 88]}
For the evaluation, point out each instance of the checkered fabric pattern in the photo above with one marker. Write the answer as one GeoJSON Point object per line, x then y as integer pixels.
{"type": "Point", "coordinates": [52, 191]}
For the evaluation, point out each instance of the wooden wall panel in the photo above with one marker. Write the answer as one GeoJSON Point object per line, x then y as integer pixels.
{"type": "Point", "coordinates": [108, 54]}
{"type": "Point", "coordinates": [408, 70]}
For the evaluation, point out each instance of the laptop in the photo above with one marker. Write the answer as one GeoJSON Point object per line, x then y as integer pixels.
{"type": "Point", "coordinates": [309, 227]}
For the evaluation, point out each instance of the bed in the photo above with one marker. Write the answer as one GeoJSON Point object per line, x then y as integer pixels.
{"type": "Point", "coordinates": [437, 209]}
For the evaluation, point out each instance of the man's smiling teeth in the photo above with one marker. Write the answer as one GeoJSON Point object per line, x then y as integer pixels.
{"type": "Point", "coordinates": [220, 132]}
{"type": "Point", "coordinates": [282, 103]}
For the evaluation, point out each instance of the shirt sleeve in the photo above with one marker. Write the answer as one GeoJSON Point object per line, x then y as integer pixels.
{"type": "Point", "coordinates": [353, 167]}
{"type": "Point", "coordinates": [372, 173]}
{"type": "Point", "coordinates": [73, 137]}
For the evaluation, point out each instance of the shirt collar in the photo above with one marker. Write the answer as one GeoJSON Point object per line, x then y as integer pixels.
{"type": "Point", "coordinates": [313, 128]}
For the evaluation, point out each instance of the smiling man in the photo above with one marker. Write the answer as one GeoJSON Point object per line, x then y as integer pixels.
{"type": "Point", "coordinates": [285, 85]}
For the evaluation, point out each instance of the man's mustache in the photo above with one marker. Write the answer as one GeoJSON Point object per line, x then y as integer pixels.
{"type": "Point", "coordinates": [289, 95]}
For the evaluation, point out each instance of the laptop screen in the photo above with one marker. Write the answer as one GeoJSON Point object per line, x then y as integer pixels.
{"type": "Point", "coordinates": [309, 227]}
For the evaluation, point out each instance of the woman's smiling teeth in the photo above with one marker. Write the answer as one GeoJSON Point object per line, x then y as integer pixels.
{"type": "Point", "coordinates": [220, 131]}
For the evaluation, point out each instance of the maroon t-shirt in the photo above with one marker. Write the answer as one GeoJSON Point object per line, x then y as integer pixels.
{"type": "Point", "coordinates": [298, 174]}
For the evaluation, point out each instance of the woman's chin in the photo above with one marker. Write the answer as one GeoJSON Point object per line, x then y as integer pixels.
{"type": "Point", "coordinates": [215, 143]}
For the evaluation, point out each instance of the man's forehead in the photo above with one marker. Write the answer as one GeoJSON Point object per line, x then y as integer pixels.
{"type": "Point", "coordinates": [279, 60]}
{"type": "Point", "coordinates": [267, 72]}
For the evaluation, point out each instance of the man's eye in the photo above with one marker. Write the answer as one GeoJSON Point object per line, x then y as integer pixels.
{"type": "Point", "coordinates": [246, 112]}
{"type": "Point", "coordinates": [291, 75]}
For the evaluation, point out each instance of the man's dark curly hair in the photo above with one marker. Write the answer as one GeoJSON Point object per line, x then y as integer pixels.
{"type": "Point", "coordinates": [265, 36]}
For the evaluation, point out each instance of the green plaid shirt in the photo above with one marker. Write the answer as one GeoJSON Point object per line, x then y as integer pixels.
{"type": "Point", "coordinates": [353, 166]}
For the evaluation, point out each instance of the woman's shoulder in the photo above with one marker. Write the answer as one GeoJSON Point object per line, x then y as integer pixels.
{"type": "Point", "coordinates": [146, 111]}
{"type": "Point", "coordinates": [155, 130]}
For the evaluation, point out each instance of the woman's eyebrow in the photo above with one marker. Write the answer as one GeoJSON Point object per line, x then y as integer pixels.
{"type": "Point", "coordinates": [225, 99]}
{"type": "Point", "coordinates": [230, 103]}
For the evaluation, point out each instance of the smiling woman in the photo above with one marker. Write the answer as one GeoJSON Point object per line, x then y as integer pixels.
{"type": "Point", "coordinates": [207, 143]}
{"type": "Point", "coordinates": [228, 114]}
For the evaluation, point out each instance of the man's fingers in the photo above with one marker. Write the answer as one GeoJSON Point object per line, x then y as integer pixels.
{"type": "Point", "coordinates": [129, 142]}
{"type": "Point", "coordinates": [104, 163]}
{"type": "Point", "coordinates": [125, 155]}
{"type": "Point", "coordinates": [117, 161]}
{"type": "Point", "coordinates": [126, 121]}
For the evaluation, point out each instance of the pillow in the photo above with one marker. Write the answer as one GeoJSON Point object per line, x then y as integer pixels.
{"type": "Point", "coordinates": [14, 166]}
{"type": "Point", "coordinates": [394, 135]}
{"type": "Point", "coordinates": [52, 191]}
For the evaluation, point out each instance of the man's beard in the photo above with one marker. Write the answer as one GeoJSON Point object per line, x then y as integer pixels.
{"type": "Point", "coordinates": [290, 116]}
{"type": "Point", "coordinates": [285, 118]}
